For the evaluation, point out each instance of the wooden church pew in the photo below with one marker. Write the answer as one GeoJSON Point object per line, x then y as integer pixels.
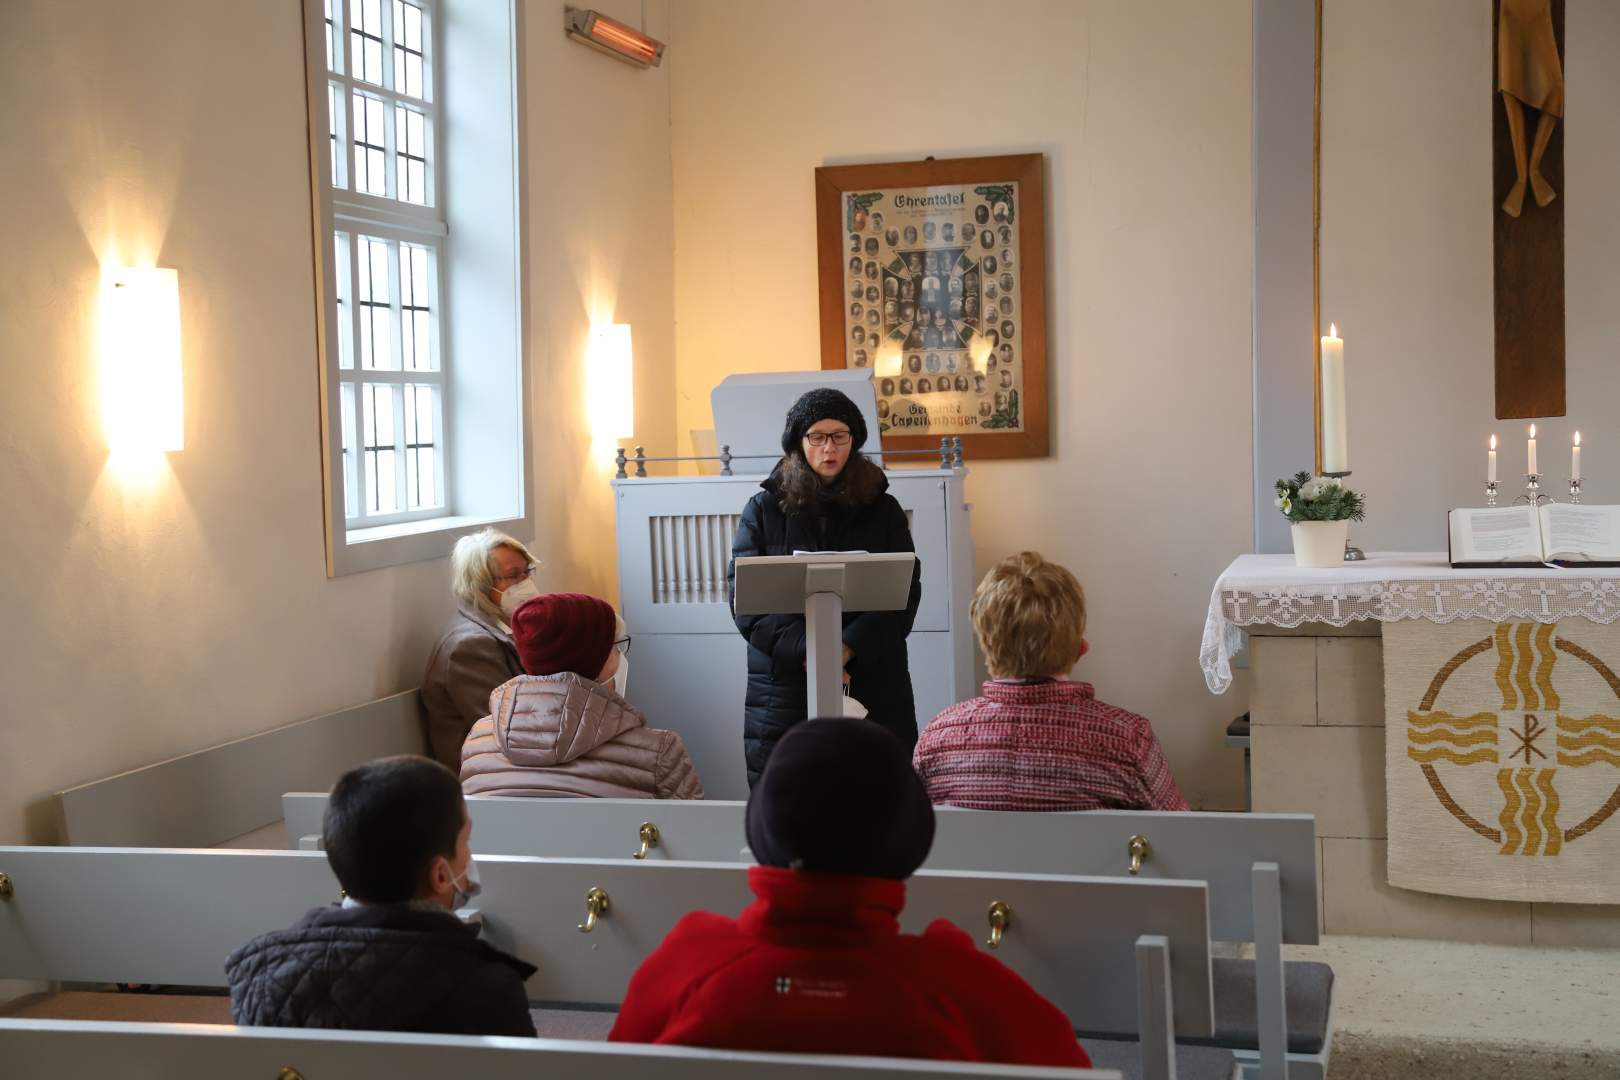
{"type": "Point", "coordinates": [171, 916]}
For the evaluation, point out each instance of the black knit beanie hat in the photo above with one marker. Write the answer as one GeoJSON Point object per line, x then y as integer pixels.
{"type": "Point", "coordinates": [822, 404]}
{"type": "Point", "coordinates": [839, 796]}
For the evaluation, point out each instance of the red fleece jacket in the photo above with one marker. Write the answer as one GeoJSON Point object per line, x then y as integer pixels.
{"type": "Point", "coordinates": [818, 965]}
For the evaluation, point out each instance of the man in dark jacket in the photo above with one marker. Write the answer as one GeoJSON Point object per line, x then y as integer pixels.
{"type": "Point", "coordinates": [824, 495]}
{"type": "Point", "coordinates": [392, 956]}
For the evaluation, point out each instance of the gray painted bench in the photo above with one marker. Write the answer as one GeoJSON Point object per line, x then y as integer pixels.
{"type": "Point", "coordinates": [214, 796]}
{"type": "Point", "coordinates": [170, 917]}
{"type": "Point", "coordinates": [1260, 868]}
{"type": "Point", "coordinates": [47, 1049]}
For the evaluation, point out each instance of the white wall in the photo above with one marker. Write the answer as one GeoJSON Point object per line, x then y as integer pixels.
{"type": "Point", "coordinates": [1407, 257]}
{"type": "Point", "coordinates": [148, 615]}
{"type": "Point", "coordinates": [1143, 113]}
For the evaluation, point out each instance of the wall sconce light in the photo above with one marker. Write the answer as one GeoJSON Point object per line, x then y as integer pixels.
{"type": "Point", "coordinates": [143, 397]}
{"type": "Point", "coordinates": [613, 37]}
{"type": "Point", "coordinates": [612, 383]}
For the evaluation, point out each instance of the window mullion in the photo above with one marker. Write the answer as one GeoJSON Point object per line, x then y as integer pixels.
{"type": "Point", "coordinates": [436, 338]}
{"type": "Point", "coordinates": [402, 496]}
{"type": "Point", "coordinates": [359, 449]}
{"type": "Point", "coordinates": [362, 490]}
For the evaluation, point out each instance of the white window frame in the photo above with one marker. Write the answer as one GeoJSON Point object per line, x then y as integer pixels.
{"type": "Point", "coordinates": [356, 538]}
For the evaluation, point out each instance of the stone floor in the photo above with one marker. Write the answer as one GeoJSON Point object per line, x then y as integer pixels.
{"type": "Point", "coordinates": [1438, 1009]}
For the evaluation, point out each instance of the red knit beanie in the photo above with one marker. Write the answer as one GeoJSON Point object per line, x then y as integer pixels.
{"type": "Point", "coordinates": [561, 632]}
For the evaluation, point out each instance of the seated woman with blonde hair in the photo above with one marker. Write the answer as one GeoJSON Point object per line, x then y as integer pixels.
{"type": "Point", "coordinates": [491, 575]}
{"type": "Point", "coordinates": [1037, 739]}
{"type": "Point", "coordinates": [564, 729]}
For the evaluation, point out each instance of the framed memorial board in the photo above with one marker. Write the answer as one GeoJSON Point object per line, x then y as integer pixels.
{"type": "Point", "coordinates": [933, 278]}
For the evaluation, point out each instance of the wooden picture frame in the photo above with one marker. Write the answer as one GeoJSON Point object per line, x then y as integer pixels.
{"type": "Point", "coordinates": [949, 258]}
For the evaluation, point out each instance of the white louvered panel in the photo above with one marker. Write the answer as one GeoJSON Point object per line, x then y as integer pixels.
{"type": "Point", "coordinates": [690, 556]}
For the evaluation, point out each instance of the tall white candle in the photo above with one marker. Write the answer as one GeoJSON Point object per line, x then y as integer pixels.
{"type": "Point", "coordinates": [1532, 450]}
{"type": "Point", "coordinates": [1335, 455]}
{"type": "Point", "coordinates": [1490, 472]}
{"type": "Point", "coordinates": [1575, 458]}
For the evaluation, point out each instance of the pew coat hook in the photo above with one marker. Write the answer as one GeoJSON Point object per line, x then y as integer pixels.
{"type": "Point", "coordinates": [1139, 850]}
{"type": "Point", "coordinates": [649, 839]}
{"type": "Point", "coordinates": [596, 907]}
{"type": "Point", "coordinates": [1000, 916]}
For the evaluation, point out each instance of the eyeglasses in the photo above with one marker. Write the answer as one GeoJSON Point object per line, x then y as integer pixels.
{"type": "Point", "coordinates": [822, 438]}
{"type": "Point", "coordinates": [527, 571]}
{"type": "Point", "coordinates": [623, 645]}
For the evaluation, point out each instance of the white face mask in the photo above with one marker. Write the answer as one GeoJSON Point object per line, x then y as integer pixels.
{"type": "Point", "coordinates": [621, 676]}
{"type": "Point", "coordinates": [468, 887]}
{"type": "Point", "coordinates": [516, 596]}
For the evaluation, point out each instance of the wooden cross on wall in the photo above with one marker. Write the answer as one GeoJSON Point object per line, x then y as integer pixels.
{"type": "Point", "coordinates": [1529, 248]}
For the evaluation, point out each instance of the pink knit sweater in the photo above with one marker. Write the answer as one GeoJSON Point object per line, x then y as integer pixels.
{"type": "Point", "coordinates": [1049, 745]}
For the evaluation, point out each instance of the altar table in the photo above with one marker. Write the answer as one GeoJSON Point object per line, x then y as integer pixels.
{"type": "Point", "coordinates": [1320, 647]}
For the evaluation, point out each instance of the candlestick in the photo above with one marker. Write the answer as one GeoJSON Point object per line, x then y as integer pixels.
{"type": "Point", "coordinates": [1531, 465]}
{"type": "Point", "coordinates": [1335, 455]}
{"type": "Point", "coordinates": [1575, 490]}
{"type": "Point", "coordinates": [1532, 491]}
{"type": "Point", "coordinates": [1490, 459]}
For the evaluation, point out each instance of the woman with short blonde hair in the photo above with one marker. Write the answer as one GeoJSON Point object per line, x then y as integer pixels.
{"type": "Point", "coordinates": [491, 574]}
{"type": "Point", "coordinates": [472, 574]}
{"type": "Point", "coordinates": [1030, 617]}
{"type": "Point", "coordinates": [1037, 739]}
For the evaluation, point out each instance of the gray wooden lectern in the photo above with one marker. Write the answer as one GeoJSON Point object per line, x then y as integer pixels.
{"type": "Point", "coordinates": [823, 586]}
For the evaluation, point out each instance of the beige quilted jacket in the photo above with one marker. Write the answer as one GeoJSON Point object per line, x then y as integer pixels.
{"type": "Point", "coordinates": [563, 736]}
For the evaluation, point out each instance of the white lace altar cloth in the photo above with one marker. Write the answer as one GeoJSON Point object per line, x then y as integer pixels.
{"type": "Point", "coordinates": [1269, 590]}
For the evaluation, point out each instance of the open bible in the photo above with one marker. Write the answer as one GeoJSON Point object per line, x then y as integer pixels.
{"type": "Point", "coordinates": [1557, 534]}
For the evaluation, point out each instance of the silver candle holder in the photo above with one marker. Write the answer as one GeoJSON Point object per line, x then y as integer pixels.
{"type": "Point", "coordinates": [1575, 490]}
{"type": "Point", "coordinates": [1351, 552]}
{"type": "Point", "coordinates": [1532, 491]}
{"type": "Point", "coordinates": [1490, 492]}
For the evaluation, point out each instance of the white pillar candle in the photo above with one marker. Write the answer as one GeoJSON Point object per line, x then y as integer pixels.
{"type": "Point", "coordinates": [1575, 458]}
{"type": "Point", "coordinates": [1335, 455]}
{"type": "Point", "coordinates": [1532, 452]}
{"type": "Point", "coordinates": [1490, 458]}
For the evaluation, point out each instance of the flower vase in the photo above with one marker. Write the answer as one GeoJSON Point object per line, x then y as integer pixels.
{"type": "Point", "coordinates": [1320, 543]}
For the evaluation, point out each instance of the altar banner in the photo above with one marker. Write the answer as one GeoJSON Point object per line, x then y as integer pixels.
{"type": "Point", "coordinates": [1502, 754]}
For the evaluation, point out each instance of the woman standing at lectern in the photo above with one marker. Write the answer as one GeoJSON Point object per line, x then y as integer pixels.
{"type": "Point", "coordinates": [824, 495]}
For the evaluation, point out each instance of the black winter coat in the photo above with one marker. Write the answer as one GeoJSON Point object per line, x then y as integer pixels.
{"type": "Point", "coordinates": [880, 678]}
{"type": "Point", "coordinates": [380, 968]}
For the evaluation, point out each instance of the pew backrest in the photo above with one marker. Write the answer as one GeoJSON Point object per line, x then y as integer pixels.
{"type": "Point", "coordinates": [212, 796]}
{"type": "Point", "coordinates": [46, 1049]}
{"type": "Point", "coordinates": [698, 830]}
{"type": "Point", "coordinates": [168, 916]}
{"type": "Point", "coordinates": [1218, 848]}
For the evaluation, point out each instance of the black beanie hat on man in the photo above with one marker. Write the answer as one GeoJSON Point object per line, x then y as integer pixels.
{"type": "Point", "coordinates": [839, 796]}
{"type": "Point", "coordinates": [822, 404]}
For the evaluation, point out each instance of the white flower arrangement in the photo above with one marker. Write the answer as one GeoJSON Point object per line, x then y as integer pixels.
{"type": "Point", "coordinates": [1304, 497]}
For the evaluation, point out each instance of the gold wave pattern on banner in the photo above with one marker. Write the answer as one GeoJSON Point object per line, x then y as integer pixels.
{"type": "Point", "coordinates": [1439, 717]}
{"type": "Point", "coordinates": [1591, 723]}
{"type": "Point", "coordinates": [1524, 662]}
{"type": "Point", "coordinates": [1591, 738]}
{"type": "Point", "coordinates": [1589, 757]}
{"type": "Point", "coordinates": [1549, 813]}
{"type": "Point", "coordinates": [1473, 738]}
{"type": "Point", "coordinates": [1529, 812]}
{"type": "Point", "coordinates": [1445, 753]}
{"type": "Point", "coordinates": [1512, 836]}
